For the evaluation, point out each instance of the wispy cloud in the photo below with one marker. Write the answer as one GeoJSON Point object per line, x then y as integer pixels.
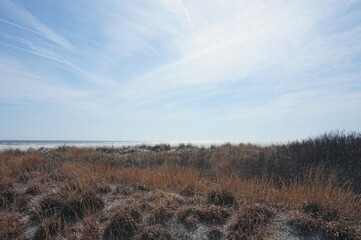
{"type": "Point", "coordinates": [19, 26]}
{"type": "Point", "coordinates": [275, 42]}
{"type": "Point", "coordinates": [49, 55]}
{"type": "Point", "coordinates": [225, 62]}
{"type": "Point", "coordinates": [186, 12]}
{"type": "Point", "coordinates": [19, 84]}
{"type": "Point", "coordinates": [20, 13]}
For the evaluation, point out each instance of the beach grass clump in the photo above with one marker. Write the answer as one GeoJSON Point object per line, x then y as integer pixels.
{"type": "Point", "coordinates": [67, 206]}
{"type": "Point", "coordinates": [187, 192]}
{"type": "Point", "coordinates": [160, 215]}
{"type": "Point", "coordinates": [155, 232]}
{"type": "Point", "coordinates": [11, 225]}
{"type": "Point", "coordinates": [221, 197]}
{"type": "Point", "coordinates": [7, 195]}
{"type": "Point", "coordinates": [319, 217]}
{"type": "Point", "coordinates": [48, 228]}
{"type": "Point", "coordinates": [124, 224]}
{"type": "Point", "coordinates": [191, 216]}
{"type": "Point", "coordinates": [90, 229]}
{"type": "Point", "coordinates": [250, 222]}
{"type": "Point", "coordinates": [215, 233]}
{"type": "Point", "coordinates": [321, 211]}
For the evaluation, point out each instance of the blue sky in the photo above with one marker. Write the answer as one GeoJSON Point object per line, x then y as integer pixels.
{"type": "Point", "coordinates": [179, 70]}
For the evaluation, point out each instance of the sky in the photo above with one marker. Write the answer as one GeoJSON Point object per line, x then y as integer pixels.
{"type": "Point", "coordinates": [179, 70]}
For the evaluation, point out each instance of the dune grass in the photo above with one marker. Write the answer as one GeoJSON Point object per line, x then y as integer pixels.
{"type": "Point", "coordinates": [163, 192]}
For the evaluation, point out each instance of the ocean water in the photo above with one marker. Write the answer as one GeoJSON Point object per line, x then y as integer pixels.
{"type": "Point", "coordinates": [36, 144]}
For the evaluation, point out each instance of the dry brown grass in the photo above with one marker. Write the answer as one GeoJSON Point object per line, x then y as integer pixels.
{"type": "Point", "coordinates": [31, 161]}
{"type": "Point", "coordinates": [316, 186]}
{"type": "Point", "coordinates": [336, 229]}
{"type": "Point", "coordinates": [11, 226]}
{"type": "Point", "coordinates": [167, 178]}
{"type": "Point", "coordinates": [250, 223]}
{"type": "Point", "coordinates": [91, 229]}
{"type": "Point", "coordinates": [124, 224]}
{"type": "Point", "coordinates": [67, 205]}
{"type": "Point", "coordinates": [146, 192]}
{"type": "Point", "coordinates": [7, 195]}
{"type": "Point", "coordinates": [48, 228]}
{"type": "Point", "coordinates": [154, 233]}
{"type": "Point", "coordinates": [215, 233]}
{"type": "Point", "coordinates": [160, 215]}
{"type": "Point", "coordinates": [210, 214]}
{"type": "Point", "coordinates": [187, 192]}
{"type": "Point", "coordinates": [221, 198]}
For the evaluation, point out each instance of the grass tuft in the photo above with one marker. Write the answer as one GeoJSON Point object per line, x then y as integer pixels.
{"type": "Point", "coordinates": [91, 229]}
{"type": "Point", "coordinates": [10, 225]}
{"type": "Point", "coordinates": [159, 215]}
{"type": "Point", "coordinates": [68, 206]}
{"type": "Point", "coordinates": [187, 192]}
{"type": "Point", "coordinates": [221, 198]}
{"type": "Point", "coordinates": [250, 223]}
{"type": "Point", "coordinates": [316, 217]}
{"type": "Point", "coordinates": [48, 228]}
{"type": "Point", "coordinates": [123, 225]}
{"type": "Point", "coordinates": [190, 216]}
{"type": "Point", "coordinates": [155, 232]}
{"type": "Point", "coordinates": [215, 233]}
{"type": "Point", "coordinates": [318, 210]}
{"type": "Point", "coordinates": [7, 195]}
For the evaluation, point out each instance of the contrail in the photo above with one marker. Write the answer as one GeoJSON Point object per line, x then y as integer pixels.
{"type": "Point", "coordinates": [61, 60]}
{"type": "Point", "coordinates": [350, 2]}
{"type": "Point", "coordinates": [186, 12]}
{"type": "Point", "coordinates": [19, 12]}
{"type": "Point", "coordinates": [19, 26]}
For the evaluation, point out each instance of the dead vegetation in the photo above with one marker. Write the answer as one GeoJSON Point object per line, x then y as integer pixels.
{"type": "Point", "coordinates": [154, 233]}
{"type": "Point", "coordinates": [123, 225]}
{"type": "Point", "coordinates": [316, 216]}
{"type": "Point", "coordinates": [250, 223]}
{"type": "Point", "coordinates": [221, 198]}
{"type": "Point", "coordinates": [191, 216]}
{"type": "Point", "coordinates": [183, 192]}
{"type": "Point", "coordinates": [67, 206]}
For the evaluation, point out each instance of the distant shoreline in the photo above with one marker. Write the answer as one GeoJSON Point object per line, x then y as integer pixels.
{"type": "Point", "coordinates": [37, 144]}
